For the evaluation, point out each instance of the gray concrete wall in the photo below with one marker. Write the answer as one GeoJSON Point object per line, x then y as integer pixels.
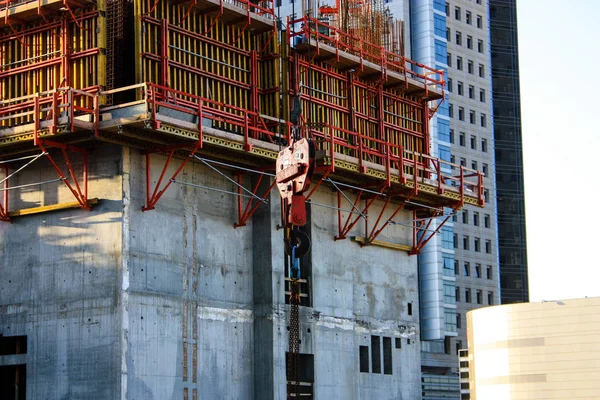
{"type": "Point", "coordinates": [359, 292]}
{"type": "Point", "coordinates": [59, 282]}
{"type": "Point", "coordinates": [190, 300]}
{"type": "Point", "coordinates": [120, 303]}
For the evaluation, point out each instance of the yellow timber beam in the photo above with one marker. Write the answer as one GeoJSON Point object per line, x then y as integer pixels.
{"type": "Point", "coordinates": [49, 208]}
{"type": "Point", "coordinates": [381, 243]}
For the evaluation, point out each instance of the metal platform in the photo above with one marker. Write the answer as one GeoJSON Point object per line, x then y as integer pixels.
{"type": "Point", "coordinates": [28, 11]}
{"type": "Point", "coordinates": [324, 43]}
{"type": "Point", "coordinates": [162, 120]}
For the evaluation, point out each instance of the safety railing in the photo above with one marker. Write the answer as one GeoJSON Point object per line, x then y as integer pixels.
{"type": "Point", "coordinates": [14, 3]}
{"type": "Point", "coordinates": [4, 4]}
{"type": "Point", "coordinates": [220, 115]}
{"type": "Point", "coordinates": [311, 28]}
{"type": "Point", "coordinates": [411, 165]}
{"type": "Point", "coordinates": [264, 8]}
{"type": "Point", "coordinates": [388, 153]}
{"type": "Point", "coordinates": [66, 4]}
{"type": "Point", "coordinates": [72, 109]}
{"type": "Point", "coordinates": [50, 110]}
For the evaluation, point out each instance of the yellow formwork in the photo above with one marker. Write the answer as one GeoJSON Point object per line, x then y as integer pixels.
{"type": "Point", "coordinates": [51, 53]}
{"type": "Point", "coordinates": [342, 104]}
{"type": "Point", "coordinates": [206, 56]}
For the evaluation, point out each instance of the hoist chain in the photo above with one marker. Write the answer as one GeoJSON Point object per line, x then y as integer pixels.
{"type": "Point", "coordinates": [293, 387]}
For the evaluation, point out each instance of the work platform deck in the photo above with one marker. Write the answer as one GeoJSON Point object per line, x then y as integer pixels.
{"type": "Point", "coordinates": [323, 43]}
{"type": "Point", "coordinates": [26, 11]}
{"type": "Point", "coordinates": [251, 15]}
{"type": "Point", "coordinates": [328, 53]}
{"type": "Point", "coordinates": [162, 122]}
{"type": "Point", "coordinates": [213, 95]}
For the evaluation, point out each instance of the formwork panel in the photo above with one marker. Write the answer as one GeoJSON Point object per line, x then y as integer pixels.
{"type": "Point", "coordinates": [51, 53]}
{"type": "Point", "coordinates": [207, 54]}
{"type": "Point", "coordinates": [359, 117]}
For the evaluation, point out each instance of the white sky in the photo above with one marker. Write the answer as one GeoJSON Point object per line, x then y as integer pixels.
{"type": "Point", "coordinates": [559, 45]}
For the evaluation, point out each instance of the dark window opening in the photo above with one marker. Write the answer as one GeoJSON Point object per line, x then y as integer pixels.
{"type": "Point", "coordinates": [13, 378]}
{"type": "Point", "coordinates": [364, 358]}
{"type": "Point", "coordinates": [13, 381]}
{"type": "Point", "coordinates": [13, 345]}
{"type": "Point", "coordinates": [409, 308]}
{"type": "Point", "coordinates": [387, 356]}
{"type": "Point", "coordinates": [375, 354]}
{"type": "Point", "coordinates": [447, 345]}
{"type": "Point", "coordinates": [306, 375]}
{"type": "Point", "coordinates": [398, 343]}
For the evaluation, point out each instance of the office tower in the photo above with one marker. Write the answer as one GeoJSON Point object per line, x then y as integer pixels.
{"type": "Point", "coordinates": [456, 35]}
{"type": "Point", "coordinates": [512, 246]}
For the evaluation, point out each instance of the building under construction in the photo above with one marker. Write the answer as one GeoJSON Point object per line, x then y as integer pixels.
{"type": "Point", "coordinates": [141, 248]}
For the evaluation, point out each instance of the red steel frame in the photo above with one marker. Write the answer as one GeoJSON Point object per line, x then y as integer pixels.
{"type": "Point", "coordinates": [421, 225]}
{"type": "Point", "coordinates": [252, 126]}
{"type": "Point", "coordinates": [80, 191]}
{"type": "Point", "coordinates": [77, 188]}
{"type": "Point", "coordinates": [152, 199]}
{"type": "Point", "coordinates": [422, 166]}
{"type": "Point", "coordinates": [59, 29]}
{"type": "Point", "coordinates": [245, 212]}
{"type": "Point", "coordinates": [158, 97]}
{"type": "Point", "coordinates": [166, 62]}
{"type": "Point", "coordinates": [4, 205]}
{"type": "Point", "coordinates": [347, 43]}
{"type": "Point", "coordinates": [43, 110]}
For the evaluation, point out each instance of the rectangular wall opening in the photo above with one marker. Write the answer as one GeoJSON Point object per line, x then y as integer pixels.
{"type": "Point", "coordinates": [13, 381]}
{"type": "Point", "coordinates": [13, 345]}
{"type": "Point", "coordinates": [387, 356]}
{"type": "Point", "coordinates": [398, 343]}
{"type": "Point", "coordinates": [376, 354]}
{"type": "Point", "coordinates": [13, 378]}
{"type": "Point", "coordinates": [306, 376]}
{"type": "Point", "coordinates": [364, 358]}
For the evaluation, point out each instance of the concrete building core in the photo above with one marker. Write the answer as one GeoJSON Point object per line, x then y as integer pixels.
{"type": "Point", "coordinates": [117, 303]}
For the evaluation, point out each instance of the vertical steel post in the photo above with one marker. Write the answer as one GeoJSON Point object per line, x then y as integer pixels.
{"type": "Point", "coordinates": [164, 41]}
{"type": "Point", "coordinates": [65, 60]}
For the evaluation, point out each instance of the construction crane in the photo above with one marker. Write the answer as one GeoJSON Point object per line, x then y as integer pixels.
{"type": "Point", "coordinates": [295, 166]}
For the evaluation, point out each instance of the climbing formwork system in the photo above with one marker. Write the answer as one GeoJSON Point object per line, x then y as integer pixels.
{"type": "Point", "coordinates": [215, 82]}
{"type": "Point", "coordinates": [211, 81]}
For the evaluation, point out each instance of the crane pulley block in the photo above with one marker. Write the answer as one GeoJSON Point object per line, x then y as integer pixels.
{"type": "Point", "coordinates": [295, 166]}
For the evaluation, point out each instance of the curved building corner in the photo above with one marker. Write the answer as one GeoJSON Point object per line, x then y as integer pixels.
{"type": "Point", "coordinates": [548, 350]}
